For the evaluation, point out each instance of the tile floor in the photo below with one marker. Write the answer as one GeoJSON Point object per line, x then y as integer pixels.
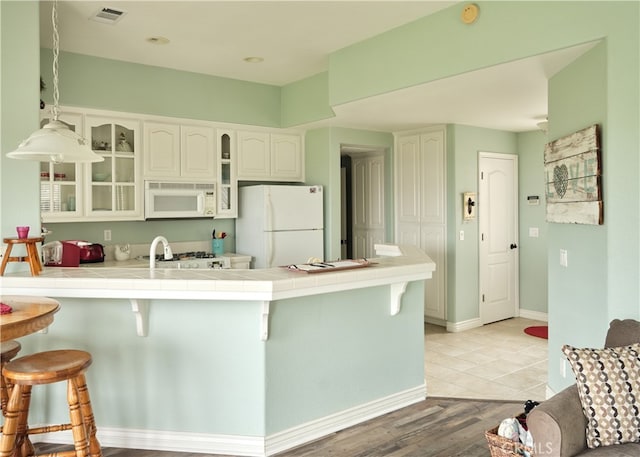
{"type": "Point", "coordinates": [496, 361]}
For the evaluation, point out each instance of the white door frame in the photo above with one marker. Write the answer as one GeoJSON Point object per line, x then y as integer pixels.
{"type": "Point", "coordinates": [482, 229]}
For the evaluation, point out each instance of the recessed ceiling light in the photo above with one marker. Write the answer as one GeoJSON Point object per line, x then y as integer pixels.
{"type": "Point", "coordinates": [158, 40]}
{"type": "Point", "coordinates": [253, 59]}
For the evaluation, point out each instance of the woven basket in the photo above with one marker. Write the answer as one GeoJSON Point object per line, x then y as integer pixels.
{"type": "Point", "coordinates": [504, 447]}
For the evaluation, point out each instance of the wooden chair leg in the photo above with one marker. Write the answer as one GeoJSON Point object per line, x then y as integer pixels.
{"type": "Point", "coordinates": [14, 430]}
{"type": "Point", "coordinates": [5, 388]}
{"type": "Point", "coordinates": [34, 260]}
{"type": "Point", "coordinates": [5, 258]}
{"type": "Point", "coordinates": [87, 415]}
{"type": "Point", "coordinates": [78, 428]}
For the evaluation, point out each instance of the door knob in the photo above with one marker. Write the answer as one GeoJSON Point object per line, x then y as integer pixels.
{"type": "Point", "coordinates": [513, 246]}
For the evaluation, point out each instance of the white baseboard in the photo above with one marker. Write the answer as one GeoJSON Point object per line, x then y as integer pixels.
{"type": "Point", "coordinates": [435, 321]}
{"type": "Point", "coordinates": [250, 446]}
{"type": "Point", "coordinates": [316, 429]}
{"type": "Point", "coordinates": [464, 325]}
{"type": "Point", "coordinates": [535, 315]}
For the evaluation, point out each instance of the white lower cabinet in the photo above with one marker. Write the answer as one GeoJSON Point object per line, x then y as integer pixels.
{"type": "Point", "coordinates": [238, 261]}
{"type": "Point", "coordinates": [420, 204]}
{"type": "Point", "coordinates": [264, 156]}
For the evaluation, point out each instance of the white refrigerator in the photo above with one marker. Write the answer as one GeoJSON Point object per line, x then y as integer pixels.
{"type": "Point", "coordinates": [280, 225]}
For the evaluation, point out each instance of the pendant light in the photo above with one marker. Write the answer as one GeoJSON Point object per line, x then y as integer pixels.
{"type": "Point", "coordinates": [55, 142]}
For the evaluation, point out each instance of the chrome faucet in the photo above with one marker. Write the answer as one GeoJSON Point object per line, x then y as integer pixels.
{"type": "Point", "coordinates": [168, 255]}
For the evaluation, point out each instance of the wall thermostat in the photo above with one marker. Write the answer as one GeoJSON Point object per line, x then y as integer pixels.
{"type": "Point", "coordinates": [533, 200]}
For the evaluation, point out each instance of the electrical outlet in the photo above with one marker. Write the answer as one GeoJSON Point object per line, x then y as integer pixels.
{"type": "Point", "coordinates": [107, 235]}
{"type": "Point", "coordinates": [563, 368]}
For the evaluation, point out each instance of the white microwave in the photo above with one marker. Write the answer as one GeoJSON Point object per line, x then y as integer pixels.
{"type": "Point", "coordinates": [179, 200]}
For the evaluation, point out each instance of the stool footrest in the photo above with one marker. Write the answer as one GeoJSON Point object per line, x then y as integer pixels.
{"type": "Point", "coordinates": [58, 454]}
{"type": "Point", "coordinates": [49, 429]}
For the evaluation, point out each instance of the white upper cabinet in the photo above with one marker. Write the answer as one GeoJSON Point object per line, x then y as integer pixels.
{"type": "Point", "coordinates": [161, 150]}
{"type": "Point", "coordinates": [179, 151]}
{"type": "Point", "coordinates": [264, 156]}
{"type": "Point", "coordinates": [254, 156]}
{"type": "Point", "coordinates": [112, 187]}
{"type": "Point", "coordinates": [61, 184]}
{"type": "Point", "coordinates": [197, 152]}
{"type": "Point", "coordinates": [227, 191]}
{"type": "Point", "coordinates": [287, 157]}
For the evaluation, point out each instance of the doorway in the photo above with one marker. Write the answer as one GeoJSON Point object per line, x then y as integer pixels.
{"type": "Point", "coordinates": [498, 223]}
{"type": "Point", "coordinates": [362, 174]}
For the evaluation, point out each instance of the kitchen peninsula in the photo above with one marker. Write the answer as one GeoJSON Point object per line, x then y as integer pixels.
{"type": "Point", "coordinates": [241, 362]}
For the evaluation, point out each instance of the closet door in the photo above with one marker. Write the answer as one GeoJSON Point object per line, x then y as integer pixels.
{"type": "Point", "coordinates": [420, 202]}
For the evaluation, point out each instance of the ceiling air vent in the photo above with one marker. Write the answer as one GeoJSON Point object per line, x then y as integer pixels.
{"type": "Point", "coordinates": [108, 15]}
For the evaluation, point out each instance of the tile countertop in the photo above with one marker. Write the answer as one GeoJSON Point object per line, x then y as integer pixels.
{"type": "Point", "coordinates": [126, 281]}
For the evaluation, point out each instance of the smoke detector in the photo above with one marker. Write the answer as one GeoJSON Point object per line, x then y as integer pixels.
{"type": "Point", "coordinates": [108, 15]}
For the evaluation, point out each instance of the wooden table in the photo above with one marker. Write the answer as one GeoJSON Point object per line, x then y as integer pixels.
{"type": "Point", "coordinates": [30, 314]}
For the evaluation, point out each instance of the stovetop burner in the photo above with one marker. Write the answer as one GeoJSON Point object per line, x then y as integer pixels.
{"type": "Point", "coordinates": [186, 256]}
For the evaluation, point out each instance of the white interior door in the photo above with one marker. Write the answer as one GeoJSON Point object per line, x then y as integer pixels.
{"type": "Point", "coordinates": [368, 203]}
{"type": "Point", "coordinates": [498, 222]}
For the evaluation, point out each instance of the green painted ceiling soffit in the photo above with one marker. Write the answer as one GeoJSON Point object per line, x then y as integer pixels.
{"type": "Point", "coordinates": [441, 45]}
{"type": "Point", "coordinates": [306, 100]}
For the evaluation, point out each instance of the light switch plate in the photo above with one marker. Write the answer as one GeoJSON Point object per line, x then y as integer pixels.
{"type": "Point", "coordinates": [533, 232]}
{"type": "Point", "coordinates": [564, 260]}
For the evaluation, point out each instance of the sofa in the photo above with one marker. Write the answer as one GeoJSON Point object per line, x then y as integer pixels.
{"type": "Point", "coordinates": [558, 425]}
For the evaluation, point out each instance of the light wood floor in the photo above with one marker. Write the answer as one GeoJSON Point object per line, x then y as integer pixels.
{"type": "Point", "coordinates": [436, 427]}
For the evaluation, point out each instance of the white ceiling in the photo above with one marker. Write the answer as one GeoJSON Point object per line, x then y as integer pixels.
{"type": "Point", "coordinates": [295, 39]}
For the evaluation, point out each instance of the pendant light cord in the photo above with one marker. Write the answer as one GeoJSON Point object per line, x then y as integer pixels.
{"type": "Point", "coordinates": [56, 53]}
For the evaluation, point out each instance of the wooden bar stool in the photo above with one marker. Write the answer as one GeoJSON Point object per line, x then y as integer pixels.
{"type": "Point", "coordinates": [32, 254]}
{"type": "Point", "coordinates": [8, 350]}
{"type": "Point", "coordinates": [46, 368]}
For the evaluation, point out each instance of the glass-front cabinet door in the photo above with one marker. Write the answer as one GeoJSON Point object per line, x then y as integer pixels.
{"type": "Point", "coordinates": [227, 180]}
{"type": "Point", "coordinates": [113, 190]}
{"type": "Point", "coordinates": [61, 183]}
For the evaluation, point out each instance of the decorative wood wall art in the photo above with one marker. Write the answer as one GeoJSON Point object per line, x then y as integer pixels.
{"type": "Point", "coordinates": [573, 171]}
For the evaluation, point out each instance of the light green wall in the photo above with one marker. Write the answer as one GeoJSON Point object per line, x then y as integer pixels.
{"type": "Point", "coordinates": [464, 143]}
{"type": "Point", "coordinates": [94, 82]}
{"type": "Point", "coordinates": [344, 328]}
{"type": "Point", "coordinates": [533, 251]}
{"type": "Point", "coordinates": [205, 370]}
{"type": "Point", "coordinates": [19, 99]}
{"type": "Point", "coordinates": [141, 232]}
{"type": "Point", "coordinates": [580, 292]}
{"type": "Point", "coordinates": [322, 148]}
